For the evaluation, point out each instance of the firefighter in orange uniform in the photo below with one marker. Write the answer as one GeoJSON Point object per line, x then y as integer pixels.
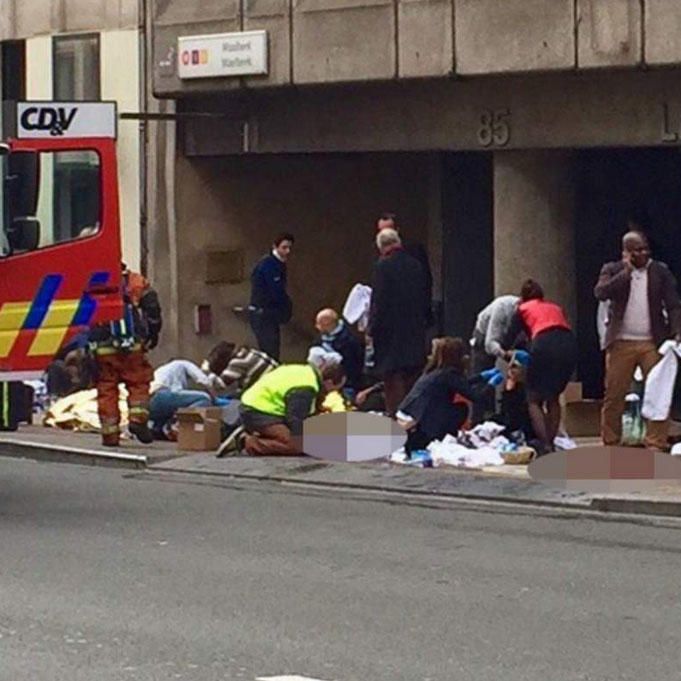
{"type": "Point", "coordinates": [120, 350]}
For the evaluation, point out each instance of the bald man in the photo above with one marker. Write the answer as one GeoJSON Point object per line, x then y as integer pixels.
{"type": "Point", "coordinates": [335, 336]}
{"type": "Point", "coordinates": [644, 311]}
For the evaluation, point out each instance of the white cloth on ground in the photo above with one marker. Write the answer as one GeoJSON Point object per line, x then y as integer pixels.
{"type": "Point", "coordinates": [659, 391]}
{"type": "Point", "coordinates": [449, 452]}
{"type": "Point", "coordinates": [356, 309]}
{"type": "Point", "coordinates": [482, 435]}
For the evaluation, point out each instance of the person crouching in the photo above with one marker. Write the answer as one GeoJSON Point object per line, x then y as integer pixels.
{"type": "Point", "coordinates": [428, 412]}
{"type": "Point", "coordinates": [274, 408]}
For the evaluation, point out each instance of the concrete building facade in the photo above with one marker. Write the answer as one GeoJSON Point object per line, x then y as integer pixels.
{"type": "Point", "coordinates": [515, 138]}
{"type": "Point", "coordinates": [85, 50]}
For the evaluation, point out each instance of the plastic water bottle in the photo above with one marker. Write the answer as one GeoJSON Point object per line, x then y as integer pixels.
{"type": "Point", "coordinates": [633, 428]}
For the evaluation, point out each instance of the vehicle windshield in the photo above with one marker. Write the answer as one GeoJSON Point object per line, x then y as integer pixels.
{"type": "Point", "coordinates": [65, 187]}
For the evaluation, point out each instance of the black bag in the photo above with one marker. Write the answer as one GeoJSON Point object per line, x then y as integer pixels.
{"type": "Point", "coordinates": [16, 405]}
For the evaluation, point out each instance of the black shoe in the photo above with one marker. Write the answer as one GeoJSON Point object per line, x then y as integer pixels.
{"type": "Point", "coordinates": [539, 447]}
{"type": "Point", "coordinates": [159, 435]}
{"type": "Point", "coordinates": [141, 432]}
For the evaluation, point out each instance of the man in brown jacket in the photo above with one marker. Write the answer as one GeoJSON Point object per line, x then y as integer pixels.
{"type": "Point", "coordinates": [644, 311]}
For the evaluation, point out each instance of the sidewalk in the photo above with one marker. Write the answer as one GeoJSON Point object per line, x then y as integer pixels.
{"type": "Point", "coordinates": [506, 483]}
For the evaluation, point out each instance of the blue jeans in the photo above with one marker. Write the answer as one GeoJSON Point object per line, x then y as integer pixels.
{"type": "Point", "coordinates": [164, 403]}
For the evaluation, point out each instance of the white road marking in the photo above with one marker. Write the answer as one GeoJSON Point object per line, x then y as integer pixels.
{"type": "Point", "coordinates": [286, 678]}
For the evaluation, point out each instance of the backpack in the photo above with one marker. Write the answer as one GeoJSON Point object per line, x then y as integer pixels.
{"type": "Point", "coordinates": [141, 321]}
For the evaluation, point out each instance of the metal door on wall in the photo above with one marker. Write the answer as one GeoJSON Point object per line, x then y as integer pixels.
{"type": "Point", "coordinates": [468, 239]}
{"type": "Point", "coordinates": [616, 188]}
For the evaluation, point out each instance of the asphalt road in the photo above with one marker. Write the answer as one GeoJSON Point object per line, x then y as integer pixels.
{"type": "Point", "coordinates": [106, 575]}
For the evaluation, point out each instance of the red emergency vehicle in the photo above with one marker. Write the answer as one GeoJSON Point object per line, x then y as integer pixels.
{"type": "Point", "coordinates": [60, 253]}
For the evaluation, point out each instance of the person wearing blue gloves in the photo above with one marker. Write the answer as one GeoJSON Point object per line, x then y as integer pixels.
{"type": "Point", "coordinates": [428, 411]}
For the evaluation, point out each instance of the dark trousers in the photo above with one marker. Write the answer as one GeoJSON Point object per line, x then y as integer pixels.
{"type": "Point", "coordinates": [267, 334]}
{"type": "Point", "coordinates": [396, 385]}
{"type": "Point", "coordinates": [419, 437]}
{"type": "Point", "coordinates": [481, 361]}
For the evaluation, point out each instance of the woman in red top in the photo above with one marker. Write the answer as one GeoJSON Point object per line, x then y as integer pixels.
{"type": "Point", "coordinates": [553, 360]}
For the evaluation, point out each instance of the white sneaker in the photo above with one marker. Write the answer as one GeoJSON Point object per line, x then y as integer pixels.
{"type": "Point", "coordinates": [233, 445]}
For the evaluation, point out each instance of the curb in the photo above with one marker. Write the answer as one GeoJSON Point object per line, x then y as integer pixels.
{"type": "Point", "coordinates": [387, 489]}
{"type": "Point", "coordinates": [19, 449]}
{"type": "Point", "coordinates": [655, 507]}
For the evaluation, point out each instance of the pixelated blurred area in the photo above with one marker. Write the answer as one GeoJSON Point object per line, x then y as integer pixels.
{"type": "Point", "coordinates": [607, 469]}
{"type": "Point", "coordinates": [351, 436]}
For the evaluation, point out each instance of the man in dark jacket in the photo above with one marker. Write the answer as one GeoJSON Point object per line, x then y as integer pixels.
{"type": "Point", "coordinates": [644, 310]}
{"type": "Point", "coordinates": [397, 321]}
{"type": "Point", "coordinates": [335, 336]}
{"type": "Point", "coordinates": [270, 303]}
{"type": "Point", "coordinates": [415, 250]}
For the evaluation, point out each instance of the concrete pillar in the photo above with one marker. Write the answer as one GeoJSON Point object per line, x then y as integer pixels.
{"type": "Point", "coordinates": [534, 224]}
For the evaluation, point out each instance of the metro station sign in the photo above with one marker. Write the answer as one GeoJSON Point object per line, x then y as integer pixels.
{"type": "Point", "coordinates": [222, 55]}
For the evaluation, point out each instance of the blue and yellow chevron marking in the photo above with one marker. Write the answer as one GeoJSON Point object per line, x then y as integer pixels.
{"type": "Point", "coordinates": [55, 326]}
{"type": "Point", "coordinates": [12, 317]}
{"type": "Point", "coordinates": [42, 301]}
{"type": "Point", "coordinates": [50, 319]}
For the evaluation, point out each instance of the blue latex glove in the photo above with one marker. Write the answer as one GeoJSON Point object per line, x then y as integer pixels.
{"type": "Point", "coordinates": [221, 401]}
{"type": "Point", "coordinates": [488, 374]}
{"type": "Point", "coordinates": [496, 380]}
{"type": "Point", "coordinates": [522, 357]}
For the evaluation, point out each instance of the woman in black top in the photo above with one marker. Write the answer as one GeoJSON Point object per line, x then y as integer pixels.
{"type": "Point", "coordinates": [428, 409]}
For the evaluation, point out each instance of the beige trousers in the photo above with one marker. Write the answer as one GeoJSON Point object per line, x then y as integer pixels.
{"type": "Point", "coordinates": [621, 360]}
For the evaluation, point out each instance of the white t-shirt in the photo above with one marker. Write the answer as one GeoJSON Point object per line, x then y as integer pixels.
{"type": "Point", "coordinates": [180, 374]}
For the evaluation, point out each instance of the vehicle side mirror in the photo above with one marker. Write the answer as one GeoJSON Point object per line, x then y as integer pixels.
{"type": "Point", "coordinates": [23, 180]}
{"type": "Point", "coordinates": [24, 234]}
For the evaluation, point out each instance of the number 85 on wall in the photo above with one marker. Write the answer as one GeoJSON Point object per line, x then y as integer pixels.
{"type": "Point", "coordinates": [495, 128]}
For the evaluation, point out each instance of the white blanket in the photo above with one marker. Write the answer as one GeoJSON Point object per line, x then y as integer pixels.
{"type": "Point", "coordinates": [659, 391]}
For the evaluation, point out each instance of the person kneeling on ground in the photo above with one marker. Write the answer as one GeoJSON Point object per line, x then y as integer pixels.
{"type": "Point", "coordinates": [72, 369]}
{"type": "Point", "coordinates": [172, 389]}
{"type": "Point", "coordinates": [428, 412]}
{"type": "Point", "coordinates": [273, 410]}
{"type": "Point", "coordinates": [515, 414]}
{"type": "Point", "coordinates": [335, 336]}
{"type": "Point", "coordinates": [236, 369]}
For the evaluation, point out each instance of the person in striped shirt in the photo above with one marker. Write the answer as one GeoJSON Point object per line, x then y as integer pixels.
{"type": "Point", "coordinates": [236, 369]}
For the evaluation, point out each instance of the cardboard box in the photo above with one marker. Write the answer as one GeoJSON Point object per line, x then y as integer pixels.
{"type": "Point", "coordinates": [199, 429]}
{"type": "Point", "coordinates": [583, 418]}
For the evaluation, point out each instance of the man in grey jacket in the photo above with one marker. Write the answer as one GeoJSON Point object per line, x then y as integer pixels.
{"type": "Point", "coordinates": [490, 332]}
{"type": "Point", "coordinates": [487, 344]}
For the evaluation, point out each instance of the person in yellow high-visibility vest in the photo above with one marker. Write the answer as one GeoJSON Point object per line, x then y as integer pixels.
{"type": "Point", "coordinates": [274, 408]}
